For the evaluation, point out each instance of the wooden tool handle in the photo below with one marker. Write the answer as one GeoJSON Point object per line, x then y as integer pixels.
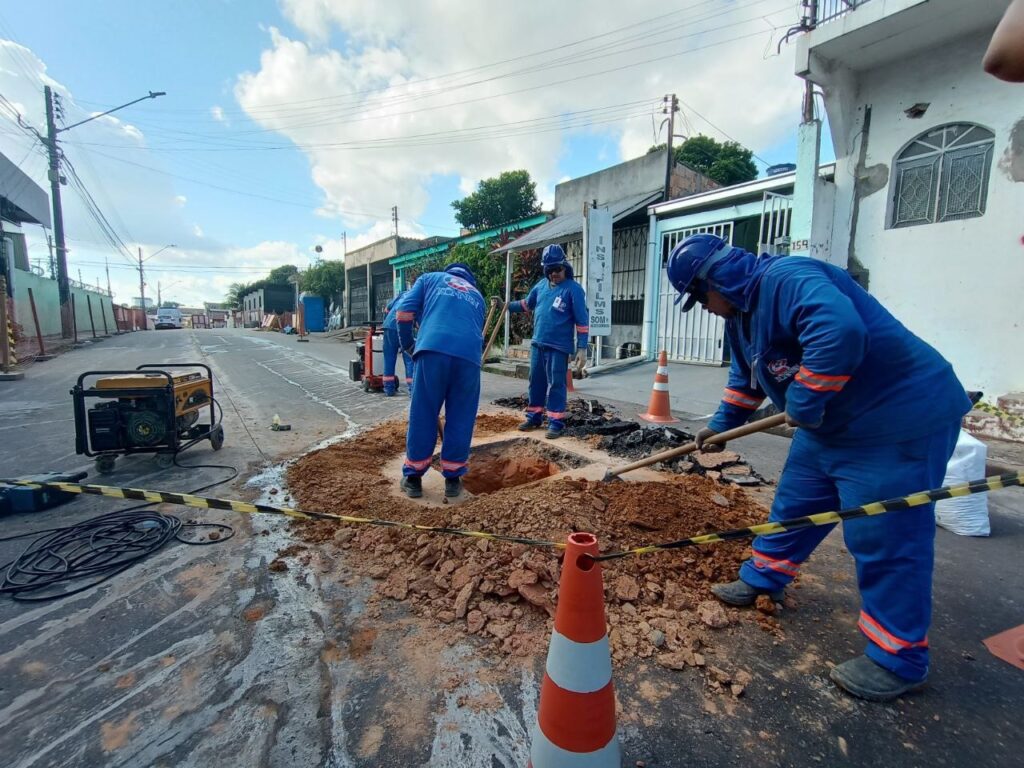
{"type": "Point", "coordinates": [723, 437]}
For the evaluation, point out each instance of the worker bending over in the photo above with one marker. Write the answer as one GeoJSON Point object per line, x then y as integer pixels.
{"type": "Point", "coordinates": [391, 347]}
{"type": "Point", "coordinates": [559, 307]}
{"type": "Point", "coordinates": [878, 412]}
{"type": "Point", "coordinates": [450, 313]}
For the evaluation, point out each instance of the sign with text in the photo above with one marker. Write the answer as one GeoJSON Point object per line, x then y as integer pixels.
{"type": "Point", "coordinates": [597, 247]}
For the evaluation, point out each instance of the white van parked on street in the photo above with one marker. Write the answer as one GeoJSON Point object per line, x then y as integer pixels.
{"type": "Point", "coordinates": [167, 317]}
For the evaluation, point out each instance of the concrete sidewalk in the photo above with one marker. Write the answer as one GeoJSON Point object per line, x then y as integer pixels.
{"type": "Point", "coordinates": [694, 390]}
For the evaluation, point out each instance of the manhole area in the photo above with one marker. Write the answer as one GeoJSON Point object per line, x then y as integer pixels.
{"type": "Point", "coordinates": [511, 463]}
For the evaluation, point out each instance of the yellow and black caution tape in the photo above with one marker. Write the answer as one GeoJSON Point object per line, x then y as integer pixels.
{"type": "Point", "coordinates": [828, 518]}
{"type": "Point", "coordinates": [249, 508]}
{"type": "Point", "coordinates": [765, 529]}
{"type": "Point", "coordinates": [1004, 415]}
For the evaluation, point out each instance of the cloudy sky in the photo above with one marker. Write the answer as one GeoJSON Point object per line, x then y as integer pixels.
{"type": "Point", "coordinates": [287, 123]}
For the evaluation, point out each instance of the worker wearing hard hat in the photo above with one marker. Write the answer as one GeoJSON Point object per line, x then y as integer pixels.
{"type": "Point", "coordinates": [878, 412]}
{"type": "Point", "coordinates": [559, 307]}
{"type": "Point", "coordinates": [450, 312]}
{"type": "Point", "coordinates": [392, 345]}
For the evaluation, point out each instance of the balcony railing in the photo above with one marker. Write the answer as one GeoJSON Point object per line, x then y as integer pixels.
{"type": "Point", "coordinates": [827, 10]}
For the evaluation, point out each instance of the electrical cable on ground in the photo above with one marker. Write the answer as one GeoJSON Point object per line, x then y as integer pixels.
{"type": "Point", "coordinates": [97, 549]}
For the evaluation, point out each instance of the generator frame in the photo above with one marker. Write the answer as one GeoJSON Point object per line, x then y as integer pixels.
{"type": "Point", "coordinates": [167, 448]}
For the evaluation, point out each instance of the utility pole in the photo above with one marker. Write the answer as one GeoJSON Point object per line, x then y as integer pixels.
{"type": "Point", "coordinates": [670, 105]}
{"type": "Point", "coordinates": [63, 288]}
{"type": "Point", "coordinates": [394, 218]}
{"type": "Point", "coordinates": [142, 285]}
{"type": "Point", "coordinates": [109, 292]}
{"type": "Point", "coordinates": [344, 245]}
{"type": "Point", "coordinates": [159, 298]}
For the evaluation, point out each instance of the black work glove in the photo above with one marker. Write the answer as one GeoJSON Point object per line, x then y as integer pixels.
{"type": "Point", "coordinates": [703, 435]}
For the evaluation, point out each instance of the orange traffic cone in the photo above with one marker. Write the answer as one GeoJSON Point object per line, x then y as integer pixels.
{"type": "Point", "coordinates": [576, 716]}
{"type": "Point", "coordinates": [658, 409]}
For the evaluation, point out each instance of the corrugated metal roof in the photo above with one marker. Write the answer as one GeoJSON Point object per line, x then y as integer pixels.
{"type": "Point", "coordinates": [569, 226]}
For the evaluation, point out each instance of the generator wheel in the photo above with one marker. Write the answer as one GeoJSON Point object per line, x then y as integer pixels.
{"type": "Point", "coordinates": [165, 460]}
{"type": "Point", "coordinates": [105, 464]}
{"type": "Point", "coordinates": [366, 385]}
{"type": "Point", "coordinates": [217, 438]}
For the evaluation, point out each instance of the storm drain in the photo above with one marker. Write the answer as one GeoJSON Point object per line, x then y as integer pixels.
{"type": "Point", "coordinates": [511, 463]}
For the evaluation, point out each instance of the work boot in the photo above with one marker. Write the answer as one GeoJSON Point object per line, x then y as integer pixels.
{"type": "Point", "coordinates": [865, 679]}
{"type": "Point", "coordinates": [741, 594]}
{"type": "Point", "coordinates": [528, 426]}
{"type": "Point", "coordinates": [452, 487]}
{"type": "Point", "coordinates": [413, 486]}
{"type": "Point", "coordinates": [554, 433]}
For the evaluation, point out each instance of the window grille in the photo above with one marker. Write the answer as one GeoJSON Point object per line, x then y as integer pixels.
{"type": "Point", "coordinates": [942, 175]}
{"type": "Point", "coordinates": [629, 272]}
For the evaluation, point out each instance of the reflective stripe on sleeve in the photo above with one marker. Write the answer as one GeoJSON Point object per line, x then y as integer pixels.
{"type": "Point", "coordinates": [821, 382]}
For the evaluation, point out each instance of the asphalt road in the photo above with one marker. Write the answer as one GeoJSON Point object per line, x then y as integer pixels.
{"type": "Point", "coordinates": [198, 656]}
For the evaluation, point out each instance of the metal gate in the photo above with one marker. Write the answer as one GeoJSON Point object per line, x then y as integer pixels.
{"type": "Point", "coordinates": [358, 298]}
{"type": "Point", "coordinates": [776, 215]}
{"type": "Point", "coordinates": [697, 336]}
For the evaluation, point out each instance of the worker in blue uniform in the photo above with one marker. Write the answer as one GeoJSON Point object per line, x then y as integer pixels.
{"type": "Point", "coordinates": [878, 412]}
{"type": "Point", "coordinates": [559, 307]}
{"type": "Point", "coordinates": [391, 348]}
{"type": "Point", "coordinates": [446, 363]}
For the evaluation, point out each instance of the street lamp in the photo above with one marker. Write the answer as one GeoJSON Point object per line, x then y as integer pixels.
{"type": "Point", "coordinates": [159, 299]}
{"type": "Point", "coordinates": [50, 141]}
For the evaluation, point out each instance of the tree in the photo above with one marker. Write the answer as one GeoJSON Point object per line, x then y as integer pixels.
{"type": "Point", "coordinates": [727, 163]}
{"type": "Point", "coordinates": [280, 275]}
{"type": "Point", "coordinates": [326, 279]}
{"type": "Point", "coordinates": [506, 198]}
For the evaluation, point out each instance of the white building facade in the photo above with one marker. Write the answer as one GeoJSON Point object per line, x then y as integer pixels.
{"type": "Point", "coordinates": [928, 207]}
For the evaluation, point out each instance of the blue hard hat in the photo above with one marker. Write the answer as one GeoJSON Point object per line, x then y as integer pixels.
{"type": "Point", "coordinates": [691, 262]}
{"type": "Point", "coordinates": [553, 256]}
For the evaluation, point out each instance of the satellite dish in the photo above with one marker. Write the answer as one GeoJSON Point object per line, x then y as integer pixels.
{"type": "Point", "coordinates": [319, 249]}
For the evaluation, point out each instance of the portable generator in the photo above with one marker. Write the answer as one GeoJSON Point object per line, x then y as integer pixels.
{"type": "Point", "coordinates": [148, 410]}
{"type": "Point", "coordinates": [368, 365]}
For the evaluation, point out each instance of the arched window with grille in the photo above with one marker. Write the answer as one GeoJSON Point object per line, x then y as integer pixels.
{"type": "Point", "coordinates": [942, 175]}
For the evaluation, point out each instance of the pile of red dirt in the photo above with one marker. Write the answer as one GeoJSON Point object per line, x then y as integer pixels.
{"type": "Point", "coordinates": [657, 603]}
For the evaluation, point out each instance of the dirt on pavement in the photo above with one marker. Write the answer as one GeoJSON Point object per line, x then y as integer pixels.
{"type": "Point", "coordinates": [505, 594]}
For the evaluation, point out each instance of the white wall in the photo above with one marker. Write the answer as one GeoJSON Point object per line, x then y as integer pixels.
{"type": "Point", "coordinates": [959, 285]}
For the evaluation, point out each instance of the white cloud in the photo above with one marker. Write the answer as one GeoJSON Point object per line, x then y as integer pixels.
{"type": "Point", "coordinates": [197, 230]}
{"type": "Point", "coordinates": [217, 113]}
{"type": "Point", "coordinates": [180, 200]}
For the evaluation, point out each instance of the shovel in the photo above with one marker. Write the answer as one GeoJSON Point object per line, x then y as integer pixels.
{"type": "Point", "coordinates": [722, 437]}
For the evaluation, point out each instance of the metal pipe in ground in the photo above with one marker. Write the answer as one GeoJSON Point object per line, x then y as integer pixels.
{"type": "Point", "coordinates": [103, 314]}
{"type": "Point", "coordinates": [5, 351]}
{"type": "Point", "coordinates": [74, 321]}
{"type": "Point", "coordinates": [35, 319]}
{"type": "Point", "coordinates": [92, 323]}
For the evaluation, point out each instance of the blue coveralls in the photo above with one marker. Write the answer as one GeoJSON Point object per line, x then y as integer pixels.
{"type": "Point", "coordinates": [391, 348]}
{"type": "Point", "coordinates": [882, 410]}
{"type": "Point", "coordinates": [558, 311]}
{"type": "Point", "coordinates": [449, 345]}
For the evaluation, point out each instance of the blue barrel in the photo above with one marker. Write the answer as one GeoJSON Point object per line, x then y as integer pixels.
{"type": "Point", "coordinates": [313, 306]}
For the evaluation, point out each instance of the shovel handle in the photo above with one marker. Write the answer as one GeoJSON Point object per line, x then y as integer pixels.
{"type": "Point", "coordinates": [722, 437]}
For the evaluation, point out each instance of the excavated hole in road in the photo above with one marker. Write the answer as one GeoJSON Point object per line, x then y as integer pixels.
{"type": "Point", "coordinates": [511, 463]}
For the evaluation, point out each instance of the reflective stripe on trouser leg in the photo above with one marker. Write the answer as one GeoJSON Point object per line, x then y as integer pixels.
{"type": "Point", "coordinates": [430, 386]}
{"type": "Point", "coordinates": [390, 358]}
{"type": "Point", "coordinates": [556, 364]}
{"type": "Point", "coordinates": [894, 553]}
{"type": "Point", "coordinates": [461, 402]}
{"type": "Point", "coordinates": [538, 386]}
{"type": "Point", "coordinates": [804, 489]}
